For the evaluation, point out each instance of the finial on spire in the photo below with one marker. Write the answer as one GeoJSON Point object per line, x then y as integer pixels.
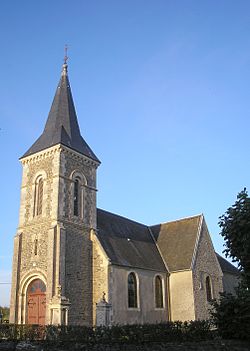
{"type": "Point", "coordinates": [65, 65]}
{"type": "Point", "coordinates": [66, 54]}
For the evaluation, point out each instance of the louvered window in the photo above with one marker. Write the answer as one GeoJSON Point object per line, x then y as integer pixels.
{"type": "Point", "coordinates": [76, 197]}
{"type": "Point", "coordinates": [38, 201]}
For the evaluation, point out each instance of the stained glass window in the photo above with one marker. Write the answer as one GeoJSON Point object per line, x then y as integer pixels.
{"type": "Point", "coordinates": [36, 286]}
{"type": "Point", "coordinates": [132, 290]}
{"type": "Point", "coordinates": [208, 289]}
{"type": "Point", "coordinates": [158, 292]}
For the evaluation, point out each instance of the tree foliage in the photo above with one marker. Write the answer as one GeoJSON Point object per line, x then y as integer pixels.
{"type": "Point", "coordinates": [5, 311]}
{"type": "Point", "coordinates": [231, 314]}
{"type": "Point", "coordinates": [235, 229]}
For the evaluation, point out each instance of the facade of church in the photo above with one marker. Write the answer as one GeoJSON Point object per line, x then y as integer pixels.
{"type": "Point", "coordinates": [78, 265]}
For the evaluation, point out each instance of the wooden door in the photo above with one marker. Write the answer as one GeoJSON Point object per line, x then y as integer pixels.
{"type": "Point", "coordinates": [36, 302]}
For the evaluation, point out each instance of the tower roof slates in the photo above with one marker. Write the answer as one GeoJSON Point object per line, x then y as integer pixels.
{"type": "Point", "coordinates": [62, 125]}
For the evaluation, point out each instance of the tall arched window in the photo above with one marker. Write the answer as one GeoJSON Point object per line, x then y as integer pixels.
{"type": "Point", "coordinates": [76, 198]}
{"type": "Point", "coordinates": [38, 201]}
{"type": "Point", "coordinates": [208, 289]}
{"type": "Point", "coordinates": [158, 292]}
{"type": "Point", "coordinates": [78, 194]}
{"type": "Point", "coordinates": [132, 290]}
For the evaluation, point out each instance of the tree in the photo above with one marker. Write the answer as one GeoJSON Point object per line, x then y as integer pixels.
{"type": "Point", "coordinates": [5, 311]}
{"type": "Point", "coordinates": [231, 314]}
{"type": "Point", "coordinates": [235, 229]}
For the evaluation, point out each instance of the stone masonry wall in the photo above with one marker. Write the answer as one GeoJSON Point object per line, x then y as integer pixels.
{"type": "Point", "coordinates": [70, 263]}
{"type": "Point", "coordinates": [34, 228]}
{"type": "Point", "coordinates": [100, 274]}
{"type": "Point", "coordinates": [206, 264]}
{"type": "Point", "coordinates": [78, 254]}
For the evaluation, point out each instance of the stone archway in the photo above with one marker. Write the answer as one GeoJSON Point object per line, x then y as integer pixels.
{"type": "Point", "coordinates": [36, 302]}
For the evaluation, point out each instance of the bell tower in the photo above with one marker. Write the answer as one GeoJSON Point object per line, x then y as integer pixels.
{"type": "Point", "coordinates": [52, 260]}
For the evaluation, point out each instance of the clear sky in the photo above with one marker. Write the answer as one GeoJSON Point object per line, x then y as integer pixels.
{"type": "Point", "coordinates": [161, 89]}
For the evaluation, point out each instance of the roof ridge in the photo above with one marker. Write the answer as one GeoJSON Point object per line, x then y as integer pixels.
{"type": "Point", "coordinates": [120, 216]}
{"type": "Point", "coordinates": [178, 220]}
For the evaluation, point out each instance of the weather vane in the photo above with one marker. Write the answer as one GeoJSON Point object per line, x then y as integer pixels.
{"type": "Point", "coordinates": [66, 56]}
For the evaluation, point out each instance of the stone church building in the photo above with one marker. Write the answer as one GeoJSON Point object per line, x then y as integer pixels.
{"type": "Point", "coordinates": [79, 265]}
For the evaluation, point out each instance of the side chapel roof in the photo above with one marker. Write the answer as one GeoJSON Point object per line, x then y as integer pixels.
{"type": "Point", "coordinates": [177, 241]}
{"type": "Point", "coordinates": [226, 266]}
{"type": "Point", "coordinates": [62, 125]}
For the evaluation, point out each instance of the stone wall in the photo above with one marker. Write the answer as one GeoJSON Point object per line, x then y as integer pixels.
{"type": "Point", "coordinates": [211, 345]}
{"type": "Point", "coordinates": [64, 250]}
{"type": "Point", "coordinates": [205, 265]}
{"type": "Point", "coordinates": [78, 254]}
{"type": "Point", "coordinates": [33, 230]}
{"type": "Point", "coordinates": [100, 274]}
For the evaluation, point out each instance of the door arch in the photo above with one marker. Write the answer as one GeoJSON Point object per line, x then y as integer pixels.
{"type": "Point", "coordinates": [36, 302]}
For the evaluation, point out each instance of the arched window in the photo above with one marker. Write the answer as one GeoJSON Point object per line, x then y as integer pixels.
{"type": "Point", "coordinates": [132, 290]}
{"type": "Point", "coordinates": [76, 198]}
{"type": "Point", "coordinates": [38, 201]}
{"type": "Point", "coordinates": [78, 186]}
{"type": "Point", "coordinates": [158, 292]}
{"type": "Point", "coordinates": [208, 289]}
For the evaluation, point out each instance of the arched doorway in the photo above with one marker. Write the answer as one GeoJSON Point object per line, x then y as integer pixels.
{"type": "Point", "coordinates": [36, 302]}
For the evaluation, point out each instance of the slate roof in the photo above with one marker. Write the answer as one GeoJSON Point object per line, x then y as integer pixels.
{"type": "Point", "coordinates": [132, 244]}
{"type": "Point", "coordinates": [62, 126]}
{"type": "Point", "coordinates": [128, 243]}
{"type": "Point", "coordinates": [176, 240]}
{"type": "Point", "coordinates": [226, 266]}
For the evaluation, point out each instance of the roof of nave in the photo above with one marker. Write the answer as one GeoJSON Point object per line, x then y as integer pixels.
{"type": "Point", "coordinates": [62, 125]}
{"type": "Point", "coordinates": [132, 244]}
{"type": "Point", "coordinates": [128, 243]}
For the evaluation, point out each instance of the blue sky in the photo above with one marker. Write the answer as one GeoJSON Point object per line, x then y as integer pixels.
{"type": "Point", "coordinates": [161, 90]}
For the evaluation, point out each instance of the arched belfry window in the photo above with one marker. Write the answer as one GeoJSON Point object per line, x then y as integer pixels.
{"type": "Point", "coordinates": [208, 289]}
{"type": "Point", "coordinates": [132, 291]}
{"type": "Point", "coordinates": [77, 197]}
{"type": "Point", "coordinates": [38, 200]}
{"type": "Point", "coordinates": [158, 292]}
{"type": "Point", "coordinates": [79, 183]}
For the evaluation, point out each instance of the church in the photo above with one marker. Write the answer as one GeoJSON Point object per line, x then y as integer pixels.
{"type": "Point", "coordinates": [75, 264]}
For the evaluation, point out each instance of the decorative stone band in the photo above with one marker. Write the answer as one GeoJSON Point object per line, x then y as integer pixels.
{"type": "Point", "coordinates": [59, 148]}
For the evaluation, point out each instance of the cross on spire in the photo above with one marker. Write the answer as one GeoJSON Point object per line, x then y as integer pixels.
{"type": "Point", "coordinates": [66, 54]}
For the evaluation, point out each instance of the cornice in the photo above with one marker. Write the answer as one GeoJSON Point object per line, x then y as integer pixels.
{"type": "Point", "coordinates": [61, 149]}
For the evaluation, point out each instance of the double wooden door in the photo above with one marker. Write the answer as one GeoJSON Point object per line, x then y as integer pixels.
{"type": "Point", "coordinates": [36, 302]}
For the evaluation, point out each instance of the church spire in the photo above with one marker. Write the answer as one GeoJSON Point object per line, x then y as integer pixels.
{"type": "Point", "coordinates": [62, 125]}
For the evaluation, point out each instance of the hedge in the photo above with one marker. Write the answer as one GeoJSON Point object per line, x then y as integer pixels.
{"type": "Point", "coordinates": [126, 334]}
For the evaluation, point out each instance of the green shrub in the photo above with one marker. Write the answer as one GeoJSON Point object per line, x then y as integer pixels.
{"type": "Point", "coordinates": [119, 334]}
{"type": "Point", "coordinates": [231, 315]}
